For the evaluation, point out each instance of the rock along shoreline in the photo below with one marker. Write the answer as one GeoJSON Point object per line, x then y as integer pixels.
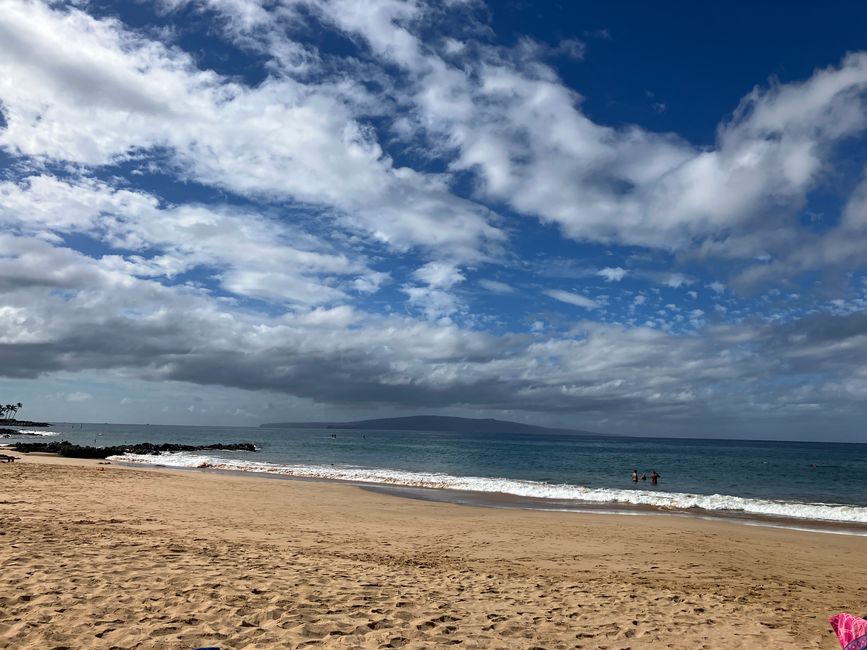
{"type": "Point", "coordinates": [69, 450]}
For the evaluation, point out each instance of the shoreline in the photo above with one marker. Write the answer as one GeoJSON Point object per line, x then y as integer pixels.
{"type": "Point", "coordinates": [498, 500]}
{"type": "Point", "coordinates": [508, 501]}
{"type": "Point", "coordinates": [111, 556]}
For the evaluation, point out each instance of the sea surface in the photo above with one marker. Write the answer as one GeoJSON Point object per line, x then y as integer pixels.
{"type": "Point", "coordinates": [785, 483]}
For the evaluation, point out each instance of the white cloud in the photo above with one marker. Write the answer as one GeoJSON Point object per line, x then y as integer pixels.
{"type": "Point", "coordinates": [505, 116]}
{"type": "Point", "coordinates": [433, 303]}
{"type": "Point", "coordinates": [255, 256]}
{"type": "Point", "coordinates": [494, 286]}
{"type": "Point", "coordinates": [434, 300]}
{"type": "Point", "coordinates": [675, 280]}
{"type": "Point", "coordinates": [439, 275]}
{"type": "Point", "coordinates": [571, 298]}
{"type": "Point", "coordinates": [615, 274]}
{"type": "Point", "coordinates": [841, 247]}
{"type": "Point", "coordinates": [319, 211]}
{"type": "Point", "coordinates": [107, 320]}
{"type": "Point", "coordinates": [99, 93]}
{"type": "Point", "coordinates": [78, 396]}
{"type": "Point", "coordinates": [572, 48]}
{"type": "Point", "coordinates": [514, 124]}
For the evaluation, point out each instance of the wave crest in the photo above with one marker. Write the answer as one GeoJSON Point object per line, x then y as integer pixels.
{"type": "Point", "coordinates": [26, 433]}
{"type": "Point", "coordinates": [533, 489]}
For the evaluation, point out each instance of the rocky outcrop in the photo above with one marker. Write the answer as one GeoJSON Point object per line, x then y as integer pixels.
{"type": "Point", "coordinates": [24, 423]}
{"type": "Point", "coordinates": [16, 433]}
{"type": "Point", "coordinates": [66, 448]}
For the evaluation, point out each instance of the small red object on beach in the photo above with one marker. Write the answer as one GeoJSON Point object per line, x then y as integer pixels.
{"type": "Point", "coordinates": [851, 631]}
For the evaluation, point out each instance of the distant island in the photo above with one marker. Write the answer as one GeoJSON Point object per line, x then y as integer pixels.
{"type": "Point", "coordinates": [430, 423]}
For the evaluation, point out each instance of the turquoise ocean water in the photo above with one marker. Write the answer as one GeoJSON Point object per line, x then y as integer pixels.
{"type": "Point", "coordinates": [792, 481]}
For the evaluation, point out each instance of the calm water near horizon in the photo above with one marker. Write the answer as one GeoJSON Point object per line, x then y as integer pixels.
{"type": "Point", "coordinates": [803, 480]}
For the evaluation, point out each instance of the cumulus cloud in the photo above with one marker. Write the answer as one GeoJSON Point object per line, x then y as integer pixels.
{"type": "Point", "coordinates": [99, 93]}
{"type": "Point", "coordinates": [439, 275]}
{"type": "Point", "coordinates": [503, 115]}
{"type": "Point", "coordinates": [253, 256]}
{"type": "Point", "coordinates": [844, 246]}
{"type": "Point", "coordinates": [75, 314]}
{"type": "Point", "coordinates": [341, 356]}
{"type": "Point", "coordinates": [674, 280]}
{"type": "Point", "coordinates": [523, 133]}
{"type": "Point", "coordinates": [615, 274]}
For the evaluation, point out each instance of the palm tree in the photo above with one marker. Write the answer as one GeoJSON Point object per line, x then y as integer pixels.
{"type": "Point", "coordinates": [9, 411]}
{"type": "Point", "coordinates": [18, 407]}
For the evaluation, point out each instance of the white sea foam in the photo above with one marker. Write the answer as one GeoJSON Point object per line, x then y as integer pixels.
{"type": "Point", "coordinates": [533, 489]}
{"type": "Point", "coordinates": [29, 432]}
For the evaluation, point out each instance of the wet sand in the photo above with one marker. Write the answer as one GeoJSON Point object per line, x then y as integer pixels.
{"type": "Point", "coordinates": [496, 500]}
{"type": "Point", "coordinates": [96, 556]}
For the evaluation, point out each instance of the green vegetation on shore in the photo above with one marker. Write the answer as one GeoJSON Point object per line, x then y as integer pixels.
{"type": "Point", "coordinates": [9, 411]}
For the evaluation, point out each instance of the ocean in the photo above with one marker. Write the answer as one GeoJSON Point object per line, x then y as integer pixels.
{"type": "Point", "coordinates": [794, 484]}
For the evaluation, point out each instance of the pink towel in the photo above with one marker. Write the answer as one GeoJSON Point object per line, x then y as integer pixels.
{"type": "Point", "coordinates": [848, 628]}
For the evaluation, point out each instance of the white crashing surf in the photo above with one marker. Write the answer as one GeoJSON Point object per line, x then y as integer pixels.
{"type": "Point", "coordinates": [532, 489]}
{"type": "Point", "coordinates": [26, 433]}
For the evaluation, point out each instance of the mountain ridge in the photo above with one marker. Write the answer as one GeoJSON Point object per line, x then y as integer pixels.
{"type": "Point", "coordinates": [431, 423]}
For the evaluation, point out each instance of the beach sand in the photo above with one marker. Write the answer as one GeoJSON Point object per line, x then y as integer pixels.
{"type": "Point", "coordinates": [110, 557]}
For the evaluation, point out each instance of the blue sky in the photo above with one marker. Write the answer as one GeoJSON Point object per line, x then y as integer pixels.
{"type": "Point", "coordinates": [614, 216]}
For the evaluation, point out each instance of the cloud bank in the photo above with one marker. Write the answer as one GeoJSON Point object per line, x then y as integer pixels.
{"type": "Point", "coordinates": [358, 226]}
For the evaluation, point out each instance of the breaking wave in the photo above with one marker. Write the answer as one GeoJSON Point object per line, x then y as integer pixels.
{"type": "Point", "coordinates": [534, 489]}
{"type": "Point", "coordinates": [26, 433]}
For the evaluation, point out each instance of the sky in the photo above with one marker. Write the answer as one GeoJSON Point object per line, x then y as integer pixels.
{"type": "Point", "coordinates": [623, 217]}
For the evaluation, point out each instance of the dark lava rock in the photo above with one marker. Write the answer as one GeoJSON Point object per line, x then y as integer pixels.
{"type": "Point", "coordinates": [26, 423]}
{"type": "Point", "coordinates": [66, 448]}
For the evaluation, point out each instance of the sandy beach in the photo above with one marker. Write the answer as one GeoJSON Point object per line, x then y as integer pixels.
{"type": "Point", "coordinates": [96, 556]}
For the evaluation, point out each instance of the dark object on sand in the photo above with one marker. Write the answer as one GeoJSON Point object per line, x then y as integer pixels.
{"type": "Point", "coordinates": [5, 458]}
{"type": "Point", "coordinates": [66, 448]}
